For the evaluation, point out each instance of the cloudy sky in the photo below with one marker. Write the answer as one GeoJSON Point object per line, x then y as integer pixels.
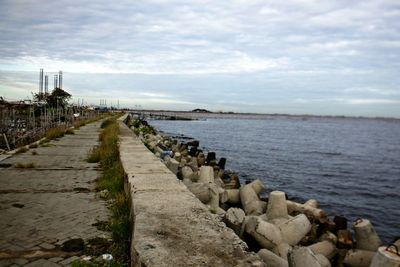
{"type": "Point", "coordinates": [293, 56]}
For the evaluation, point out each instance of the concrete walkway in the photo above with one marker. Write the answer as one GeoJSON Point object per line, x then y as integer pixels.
{"type": "Point", "coordinates": [44, 206]}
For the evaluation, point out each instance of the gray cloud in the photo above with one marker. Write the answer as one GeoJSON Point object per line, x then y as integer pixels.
{"type": "Point", "coordinates": [259, 55]}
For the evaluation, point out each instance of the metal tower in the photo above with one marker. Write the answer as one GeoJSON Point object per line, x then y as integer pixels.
{"type": "Point", "coordinates": [60, 78]}
{"type": "Point", "coordinates": [55, 81]}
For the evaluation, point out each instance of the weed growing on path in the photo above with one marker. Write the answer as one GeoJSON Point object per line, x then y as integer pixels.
{"type": "Point", "coordinates": [25, 165]}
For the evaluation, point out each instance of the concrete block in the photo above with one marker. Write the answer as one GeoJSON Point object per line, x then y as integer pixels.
{"type": "Point", "coordinates": [206, 174]}
{"type": "Point", "coordinates": [326, 248]}
{"type": "Point", "coordinates": [272, 259]}
{"type": "Point", "coordinates": [266, 234]}
{"type": "Point", "coordinates": [366, 237]}
{"type": "Point", "coordinates": [386, 257]}
{"type": "Point", "coordinates": [293, 230]}
{"type": "Point", "coordinates": [234, 219]}
{"type": "Point", "coordinates": [302, 257]}
{"type": "Point", "coordinates": [277, 207]}
{"type": "Point", "coordinates": [358, 258]}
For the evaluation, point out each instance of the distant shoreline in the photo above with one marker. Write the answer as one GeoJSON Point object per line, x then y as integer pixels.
{"type": "Point", "coordinates": [259, 115]}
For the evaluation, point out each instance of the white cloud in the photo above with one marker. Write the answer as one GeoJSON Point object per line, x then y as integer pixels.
{"type": "Point", "coordinates": [373, 101]}
{"type": "Point", "coordinates": [373, 90]}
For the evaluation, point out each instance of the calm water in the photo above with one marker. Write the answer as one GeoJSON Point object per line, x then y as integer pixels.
{"type": "Point", "coordinates": [351, 166]}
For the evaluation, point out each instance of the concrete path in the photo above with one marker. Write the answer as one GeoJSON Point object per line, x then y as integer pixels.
{"type": "Point", "coordinates": [44, 206]}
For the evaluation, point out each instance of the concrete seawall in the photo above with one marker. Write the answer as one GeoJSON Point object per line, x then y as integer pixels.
{"type": "Point", "coordinates": [171, 227]}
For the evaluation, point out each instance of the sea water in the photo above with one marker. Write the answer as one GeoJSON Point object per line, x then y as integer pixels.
{"type": "Point", "coordinates": [350, 165]}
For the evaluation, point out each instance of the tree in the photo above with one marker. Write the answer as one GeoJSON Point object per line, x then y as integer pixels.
{"type": "Point", "coordinates": [58, 98]}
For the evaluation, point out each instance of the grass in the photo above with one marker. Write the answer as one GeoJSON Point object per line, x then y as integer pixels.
{"type": "Point", "coordinates": [79, 124]}
{"type": "Point", "coordinates": [55, 133]}
{"type": "Point", "coordinates": [142, 127]}
{"type": "Point", "coordinates": [69, 131]}
{"type": "Point", "coordinates": [94, 155]}
{"type": "Point", "coordinates": [25, 165]}
{"type": "Point", "coordinates": [22, 149]}
{"type": "Point", "coordinates": [112, 180]}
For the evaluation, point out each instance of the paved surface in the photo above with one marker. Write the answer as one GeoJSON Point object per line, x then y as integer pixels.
{"type": "Point", "coordinates": [171, 226]}
{"type": "Point", "coordinates": [54, 202]}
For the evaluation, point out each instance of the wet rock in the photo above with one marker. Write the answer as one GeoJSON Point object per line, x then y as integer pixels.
{"type": "Point", "coordinates": [340, 222]}
{"type": "Point", "coordinates": [222, 163]}
{"type": "Point", "coordinates": [210, 157]}
{"type": "Point", "coordinates": [345, 240]}
{"type": "Point", "coordinates": [193, 143]}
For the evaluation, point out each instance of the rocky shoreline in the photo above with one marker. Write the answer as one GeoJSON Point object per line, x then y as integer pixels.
{"type": "Point", "coordinates": [282, 232]}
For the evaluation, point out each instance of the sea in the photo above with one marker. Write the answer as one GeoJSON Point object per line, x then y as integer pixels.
{"type": "Point", "coordinates": [351, 166]}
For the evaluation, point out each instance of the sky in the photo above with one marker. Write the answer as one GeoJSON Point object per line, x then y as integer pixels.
{"type": "Point", "coordinates": [294, 56]}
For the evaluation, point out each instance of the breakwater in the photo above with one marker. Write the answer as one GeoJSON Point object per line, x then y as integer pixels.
{"type": "Point", "coordinates": [274, 227]}
{"type": "Point", "coordinates": [171, 227]}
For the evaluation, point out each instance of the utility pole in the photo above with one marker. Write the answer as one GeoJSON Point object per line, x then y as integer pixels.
{"type": "Point", "coordinates": [55, 81]}
{"type": "Point", "coordinates": [46, 85]}
{"type": "Point", "coordinates": [40, 84]}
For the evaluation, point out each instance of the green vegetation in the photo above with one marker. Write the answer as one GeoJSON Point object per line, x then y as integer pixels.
{"type": "Point", "coordinates": [69, 131]}
{"type": "Point", "coordinates": [141, 127]}
{"type": "Point", "coordinates": [22, 149]}
{"type": "Point", "coordinates": [25, 166]}
{"type": "Point", "coordinates": [112, 181]}
{"type": "Point", "coordinates": [78, 124]}
{"type": "Point", "coordinates": [94, 155]}
{"type": "Point", "coordinates": [55, 133]}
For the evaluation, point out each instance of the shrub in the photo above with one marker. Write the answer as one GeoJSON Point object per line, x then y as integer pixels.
{"type": "Point", "coordinates": [69, 131]}
{"type": "Point", "coordinates": [55, 133]}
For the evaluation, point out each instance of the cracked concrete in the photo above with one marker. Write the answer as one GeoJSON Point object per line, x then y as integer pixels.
{"type": "Point", "coordinates": [42, 207]}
